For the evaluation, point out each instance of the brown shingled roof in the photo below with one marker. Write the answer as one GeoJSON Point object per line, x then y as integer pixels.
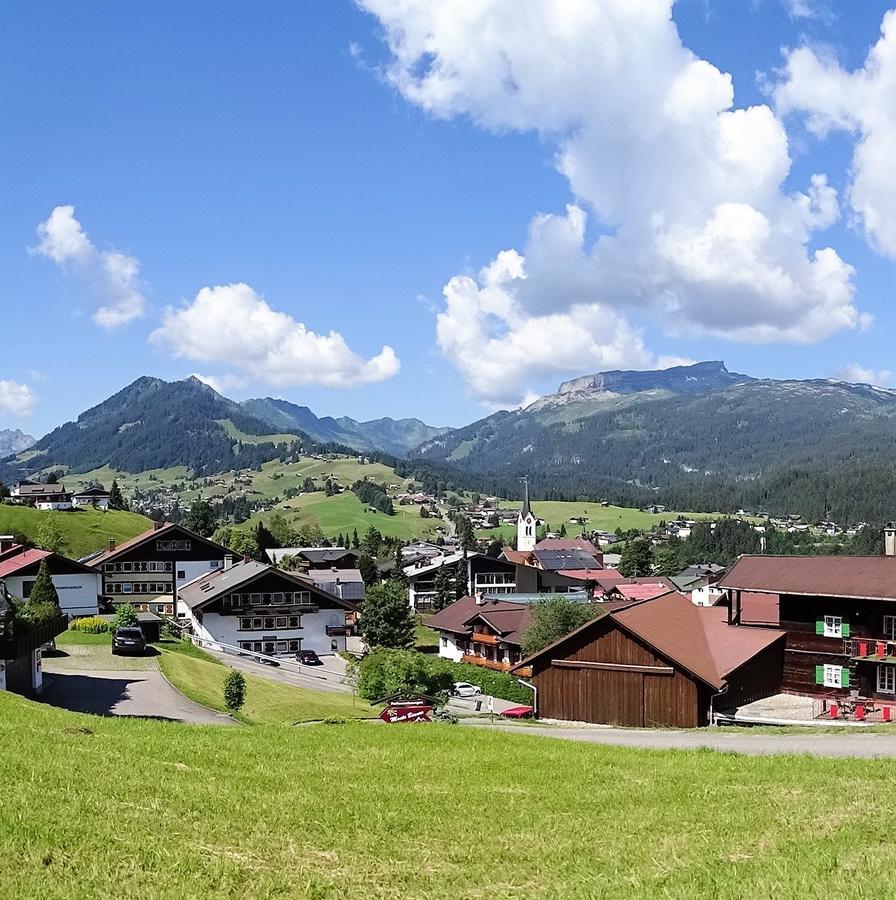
{"type": "Point", "coordinates": [696, 639]}
{"type": "Point", "coordinates": [510, 619]}
{"type": "Point", "coordinates": [859, 577]}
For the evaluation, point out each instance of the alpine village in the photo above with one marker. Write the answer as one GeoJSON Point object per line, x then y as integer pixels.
{"type": "Point", "coordinates": [447, 450]}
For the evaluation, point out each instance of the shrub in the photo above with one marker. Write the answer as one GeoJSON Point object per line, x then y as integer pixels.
{"type": "Point", "coordinates": [385, 672]}
{"type": "Point", "coordinates": [91, 625]}
{"type": "Point", "coordinates": [234, 690]}
{"type": "Point", "coordinates": [125, 616]}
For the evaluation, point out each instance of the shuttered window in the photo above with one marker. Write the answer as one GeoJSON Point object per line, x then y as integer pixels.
{"type": "Point", "coordinates": [832, 676]}
{"type": "Point", "coordinates": [832, 627]}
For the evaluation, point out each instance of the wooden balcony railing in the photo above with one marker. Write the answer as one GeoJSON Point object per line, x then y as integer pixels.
{"type": "Point", "coordinates": [25, 641]}
{"type": "Point", "coordinates": [486, 663]}
{"type": "Point", "coordinates": [480, 637]}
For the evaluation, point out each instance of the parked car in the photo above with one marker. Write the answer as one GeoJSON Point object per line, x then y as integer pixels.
{"type": "Point", "coordinates": [128, 640]}
{"type": "Point", "coordinates": [308, 658]}
{"type": "Point", "coordinates": [465, 689]}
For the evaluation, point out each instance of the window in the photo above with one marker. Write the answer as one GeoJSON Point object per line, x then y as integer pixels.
{"type": "Point", "coordinates": [444, 642]}
{"type": "Point", "coordinates": [245, 624]}
{"type": "Point", "coordinates": [294, 646]}
{"type": "Point", "coordinates": [281, 622]}
{"type": "Point", "coordinates": [108, 567]}
{"type": "Point", "coordinates": [890, 627]}
{"type": "Point", "coordinates": [833, 676]}
{"type": "Point", "coordinates": [278, 597]}
{"type": "Point", "coordinates": [282, 646]}
{"type": "Point", "coordinates": [127, 588]}
{"type": "Point", "coordinates": [255, 599]}
{"type": "Point", "coordinates": [216, 563]}
{"type": "Point", "coordinates": [886, 679]}
{"type": "Point", "coordinates": [181, 573]}
{"type": "Point", "coordinates": [269, 623]}
{"type": "Point", "coordinates": [295, 621]}
{"type": "Point", "coordinates": [833, 626]}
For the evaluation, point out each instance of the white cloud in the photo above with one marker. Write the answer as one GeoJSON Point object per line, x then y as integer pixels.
{"type": "Point", "coordinates": [111, 276]}
{"type": "Point", "coordinates": [685, 189]}
{"type": "Point", "coordinates": [857, 374]}
{"type": "Point", "coordinates": [16, 399]}
{"type": "Point", "coordinates": [222, 383]}
{"type": "Point", "coordinates": [861, 103]}
{"type": "Point", "coordinates": [231, 324]}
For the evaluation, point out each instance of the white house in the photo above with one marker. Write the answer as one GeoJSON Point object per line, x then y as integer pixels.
{"type": "Point", "coordinates": [262, 609]}
{"type": "Point", "coordinates": [77, 585]}
{"type": "Point", "coordinates": [42, 496]}
{"type": "Point", "coordinates": [96, 497]}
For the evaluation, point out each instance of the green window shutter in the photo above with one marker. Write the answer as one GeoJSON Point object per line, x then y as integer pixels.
{"type": "Point", "coordinates": [844, 677]}
{"type": "Point", "coordinates": [819, 626]}
{"type": "Point", "coordinates": [819, 674]}
{"type": "Point", "coordinates": [844, 629]}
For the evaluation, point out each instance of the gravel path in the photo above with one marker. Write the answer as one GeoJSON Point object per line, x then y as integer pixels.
{"type": "Point", "coordinates": [731, 740]}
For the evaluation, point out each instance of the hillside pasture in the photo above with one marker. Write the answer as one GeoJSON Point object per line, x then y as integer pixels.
{"type": "Point", "coordinates": [92, 804]}
{"type": "Point", "coordinates": [84, 530]}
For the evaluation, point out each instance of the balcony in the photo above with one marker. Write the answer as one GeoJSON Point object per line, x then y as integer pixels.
{"type": "Point", "coordinates": [870, 649]}
{"type": "Point", "coordinates": [486, 663]}
{"type": "Point", "coordinates": [340, 630]}
{"type": "Point", "coordinates": [480, 637]}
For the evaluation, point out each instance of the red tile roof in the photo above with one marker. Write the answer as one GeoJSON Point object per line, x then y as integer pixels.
{"type": "Point", "coordinates": [641, 590]}
{"type": "Point", "coordinates": [11, 565]}
{"type": "Point", "coordinates": [859, 577]}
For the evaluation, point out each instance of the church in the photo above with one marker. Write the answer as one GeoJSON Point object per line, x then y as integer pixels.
{"type": "Point", "coordinates": [526, 524]}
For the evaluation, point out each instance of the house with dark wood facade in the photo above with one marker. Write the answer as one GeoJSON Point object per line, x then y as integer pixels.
{"type": "Point", "coordinates": [839, 614]}
{"type": "Point", "coordinates": [661, 662]}
{"type": "Point", "coordinates": [148, 570]}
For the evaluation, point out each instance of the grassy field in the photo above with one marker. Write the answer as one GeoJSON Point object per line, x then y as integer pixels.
{"type": "Point", "coordinates": [201, 678]}
{"type": "Point", "coordinates": [600, 518]}
{"type": "Point", "coordinates": [97, 807]}
{"type": "Point", "coordinates": [93, 652]}
{"type": "Point", "coordinates": [85, 530]}
{"type": "Point", "coordinates": [342, 513]}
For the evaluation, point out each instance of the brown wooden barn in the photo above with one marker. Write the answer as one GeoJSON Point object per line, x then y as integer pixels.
{"type": "Point", "coordinates": [660, 662]}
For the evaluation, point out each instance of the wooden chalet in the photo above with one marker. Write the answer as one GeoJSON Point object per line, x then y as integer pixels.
{"type": "Point", "coordinates": [660, 662]}
{"type": "Point", "coordinates": [839, 614]}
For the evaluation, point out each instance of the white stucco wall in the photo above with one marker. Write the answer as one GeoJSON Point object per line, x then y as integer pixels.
{"type": "Point", "coordinates": [77, 593]}
{"type": "Point", "coordinates": [99, 503]}
{"type": "Point", "coordinates": [192, 570]}
{"type": "Point", "coordinates": [313, 635]}
{"type": "Point", "coordinates": [448, 648]}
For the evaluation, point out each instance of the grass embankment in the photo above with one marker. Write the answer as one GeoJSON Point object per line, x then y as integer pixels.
{"type": "Point", "coordinates": [200, 677]}
{"type": "Point", "coordinates": [84, 530]}
{"type": "Point", "coordinates": [93, 804]}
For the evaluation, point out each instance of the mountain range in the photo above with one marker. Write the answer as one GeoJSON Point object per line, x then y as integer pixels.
{"type": "Point", "coordinates": [690, 437]}
{"type": "Point", "coordinates": [14, 441]}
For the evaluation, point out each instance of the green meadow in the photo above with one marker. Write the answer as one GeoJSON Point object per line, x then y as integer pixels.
{"type": "Point", "coordinates": [98, 807]}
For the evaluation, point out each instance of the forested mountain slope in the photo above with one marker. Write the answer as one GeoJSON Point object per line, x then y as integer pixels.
{"type": "Point", "coordinates": [801, 446]}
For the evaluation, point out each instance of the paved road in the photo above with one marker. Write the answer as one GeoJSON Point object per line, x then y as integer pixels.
{"type": "Point", "coordinates": [123, 693]}
{"type": "Point", "coordinates": [733, 740]}
{"type": "Point", "coordinates": [318, 678]}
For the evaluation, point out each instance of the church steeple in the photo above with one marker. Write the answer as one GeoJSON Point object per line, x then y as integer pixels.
{"type": "Point", "coordinates": [525, 523]}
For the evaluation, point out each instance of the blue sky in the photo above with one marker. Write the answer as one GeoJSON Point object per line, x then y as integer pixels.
{"type": "Point", "coordinates": [286, 147]}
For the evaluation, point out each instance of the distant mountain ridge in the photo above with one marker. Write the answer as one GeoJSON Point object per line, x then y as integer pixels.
{"type": "Point", "coordinates": [693, 437]}
{"type": "Point", "coordinates": [395, 436]}
{"type": "Point", "coordinates": [14, 441]}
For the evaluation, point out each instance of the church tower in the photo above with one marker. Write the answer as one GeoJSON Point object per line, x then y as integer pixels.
{"type": "Point", "coordinates": [525, 523]}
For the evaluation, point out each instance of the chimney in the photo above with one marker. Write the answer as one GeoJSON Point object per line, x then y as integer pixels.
{"type": "Point", "coordinates": [890, 539]}
{"type": "Point", "coordinates": [158, 526]}
{"type": "Point", "coordinates": [7, 542]}
{"type": "Point", "coordinates": [111, 543]}
{"type": "Point", "coordinates": [228, 563]}
{"type": "Point", "coordinates": [246, 558]}
{"type": "Point", "coordinates": [480, 598]}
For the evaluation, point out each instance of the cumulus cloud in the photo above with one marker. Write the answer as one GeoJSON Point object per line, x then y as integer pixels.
{"type": "Point", "coordinates": [685, 191]}
{"type": "Point", "coordinates": [112, 277]}
{"type": "Point", "coordinates": [16, 399]}
{"type": "Point", "coordinates": [861, 103]}
{"type": "Point", "coordinates": [222, 383]}
{"type": "Point", "coordinates": [857, 374]}
{"type": "Point", "coordinates": [232, 324]}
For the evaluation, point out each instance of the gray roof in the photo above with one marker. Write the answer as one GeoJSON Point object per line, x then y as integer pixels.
{"type": "Point", "coordinates": [26, 490]}
{"type": "Point", "coordinates": [558, 560]}
{"type": "Point", "coordinates": [312, 554]}
{"type": "Point", "coordinates": [215, 584]}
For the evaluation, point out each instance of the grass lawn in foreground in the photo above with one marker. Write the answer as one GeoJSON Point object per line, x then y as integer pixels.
{"type": "Point", "coordinates": [96, 807]}
{"type": "Point", "coordinates": [84, 530]}
{"type": "Point", "coordinates": [201, 678]}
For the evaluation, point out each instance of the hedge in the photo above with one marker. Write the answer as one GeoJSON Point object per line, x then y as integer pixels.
{"type": "Point", "coordinates": [385, 672]}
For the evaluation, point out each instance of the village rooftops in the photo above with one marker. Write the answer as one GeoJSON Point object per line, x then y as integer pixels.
{"type": "Point", "coordinates": [577, 543]}
{"type": "Point", "coordinates": [559, 560]}
{"type": "Point", "coordinates": [314, 555]}
{"type": "Point", "coordinates": [851, 577]}
{"type": "Point", "coordinates": [159, 532]}
{"type": "Point", "coordinates": [206, 588]}
{"type": "Point", "coordinates": [508, 619]}
{"type": "Point", "coordinates": [698, 639]}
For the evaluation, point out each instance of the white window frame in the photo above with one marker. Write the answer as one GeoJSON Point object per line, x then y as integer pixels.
{"type": "Point", "coordinates": [886, 679]}
{"type": "Point", "coordinates": [833, 676]}
{"type": "Point", "coordinates": [890, 627]}
{"type": "Point", "coordinates": [833, 627]}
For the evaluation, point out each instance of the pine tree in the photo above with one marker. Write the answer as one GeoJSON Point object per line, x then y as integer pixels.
{"type": "Point", "coordinates": [355, 542]}
{"type": "Point", "coordinates": [116, 498]}
{"type": "Point", "coordinates": [444, 586]}
{"type": "Point", "coordinates": [43, 590]}
{"type": "Point", "coordinates": [387, 619]}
